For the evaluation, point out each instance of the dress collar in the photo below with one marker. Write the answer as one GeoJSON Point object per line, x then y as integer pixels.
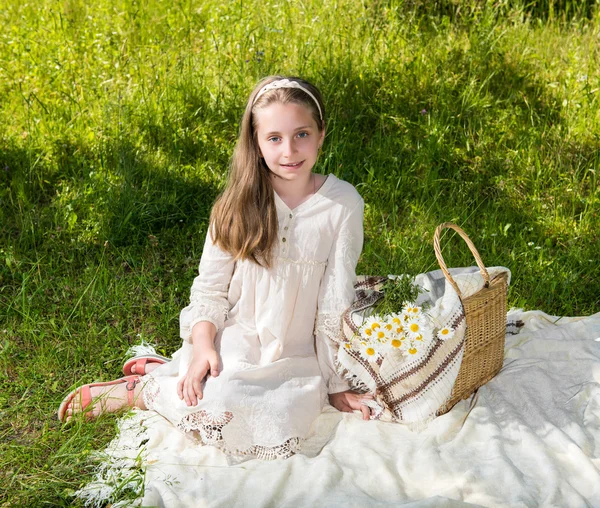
{"type": "Point", "coordinates": [279, 203]}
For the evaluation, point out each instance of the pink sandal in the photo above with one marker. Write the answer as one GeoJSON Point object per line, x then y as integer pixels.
{"type": "Point", "coordinates": [140, 363]}
{"type": "Point", "coordinates": [86, 394]}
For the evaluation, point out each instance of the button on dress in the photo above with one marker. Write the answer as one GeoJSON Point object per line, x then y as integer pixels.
{"type": "Point", "coordinates": [277, 330]}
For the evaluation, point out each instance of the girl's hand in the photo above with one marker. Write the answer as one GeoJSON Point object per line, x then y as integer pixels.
{"type": "Point", "coordinates": [189, 386]}
{"type": "Point", "coordinates": [349, 401]}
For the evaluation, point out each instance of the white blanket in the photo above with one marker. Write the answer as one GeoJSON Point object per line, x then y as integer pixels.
{"type": "Point", "coordinates": [530, 437]}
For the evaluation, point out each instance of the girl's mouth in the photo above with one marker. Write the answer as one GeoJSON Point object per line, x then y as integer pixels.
{"type": "Point", "coordinates": [293, 165]}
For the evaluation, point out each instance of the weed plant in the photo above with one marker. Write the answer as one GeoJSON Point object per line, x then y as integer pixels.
{"type": "Point", "coordinates": [117, 120]}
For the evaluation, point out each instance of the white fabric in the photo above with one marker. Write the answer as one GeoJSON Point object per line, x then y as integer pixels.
{"type": "Point", "coordinates": [469, 280]}
{"type": "Point", "coordinates": [271, 385]}
{"type": "Point", "coordinates": [530, 437]}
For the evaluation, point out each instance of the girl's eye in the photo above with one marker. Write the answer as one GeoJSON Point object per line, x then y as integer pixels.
{"type": "Point", "coordinates": [302, 134]}
{"type": "Point", "coordinates": [274, 138]}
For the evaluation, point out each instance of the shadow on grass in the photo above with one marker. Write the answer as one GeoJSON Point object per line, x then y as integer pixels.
{"type": "Point", "coordinates": [151, 198]}
{"type": "Point", "coordinates": [119, 195]}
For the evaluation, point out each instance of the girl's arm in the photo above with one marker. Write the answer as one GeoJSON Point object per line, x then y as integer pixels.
{"type": "Point", "coordinates": [204, 317]}
{"type": "Point", "coordinates": [203, 336]}
{"type": "Point", "coordinates": [337, 293]}
{"type": "Point", "coordinates": [208, 296]}
{"type": "Point", "coordinates": [205, 360]}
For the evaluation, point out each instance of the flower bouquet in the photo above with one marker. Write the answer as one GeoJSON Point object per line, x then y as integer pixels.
{"type": "Point", "coordinates": [404, 334]}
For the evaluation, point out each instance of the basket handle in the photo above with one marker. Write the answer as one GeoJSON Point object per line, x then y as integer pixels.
{"type": "Point", "coordinates": [438, 254]}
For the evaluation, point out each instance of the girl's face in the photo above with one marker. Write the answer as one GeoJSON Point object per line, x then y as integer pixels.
{"type": "Point", "coordinates": [288, 139]}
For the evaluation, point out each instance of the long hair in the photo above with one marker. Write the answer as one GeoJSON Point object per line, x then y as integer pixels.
{"type": "Point", "coordinates": [244, 219]}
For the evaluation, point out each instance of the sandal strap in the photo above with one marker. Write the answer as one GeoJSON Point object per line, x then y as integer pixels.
{"type": "Point", "coordinates": [130, 386]}
{"type": "Point", "coordinates": [140, 365]}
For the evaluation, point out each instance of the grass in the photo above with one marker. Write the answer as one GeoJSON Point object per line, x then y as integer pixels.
{"type": "Point", "coordinates": [117, 120]}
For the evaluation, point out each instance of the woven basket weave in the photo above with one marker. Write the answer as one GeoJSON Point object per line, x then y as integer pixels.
{"type": "Point", "coordinates": [485, 313]}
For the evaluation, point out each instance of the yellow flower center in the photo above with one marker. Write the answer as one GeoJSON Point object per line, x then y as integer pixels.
{"type": "Point", "coordinates": [368, 331]}
{"type": "Point", "coordinates": [380, 335]}
{"type": "Point", "coordinates": [419, 337]}
{"type": "Point", "coordinates": [396, 321]}
{"type": "Point", "coordinates": [348, 345]}
{"type": "Point", "coordinates": [414, 327]}
{"type": "Point", "coordinates": [388, 326]}
{"type": "Point", "coordinates": [375, 326]}
{"type": "Point", "coordinates": [370, 351]}
{"type": "Point", "coordinates": [445, 331]}
{"type": "Point", "coordinates": [399, 330]}
{"type": "Point", "coordinates": [412, 350]}
{"type": "Point", "coordinates": [396, 343]}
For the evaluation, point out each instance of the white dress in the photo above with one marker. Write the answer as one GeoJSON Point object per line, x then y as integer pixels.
{"type": "Point", "coordinates": [272, 384]}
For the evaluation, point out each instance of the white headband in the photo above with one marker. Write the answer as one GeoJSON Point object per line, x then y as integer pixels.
{"type": "Point", "coordinates": [286, 83]}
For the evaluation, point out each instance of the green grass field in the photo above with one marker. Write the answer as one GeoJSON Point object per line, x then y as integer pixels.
{"type": "Point", "coordinates": [117, 120]}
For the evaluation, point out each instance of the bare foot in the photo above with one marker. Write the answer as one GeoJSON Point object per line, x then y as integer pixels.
{"type": "Point", "coordinates": [109, 399]}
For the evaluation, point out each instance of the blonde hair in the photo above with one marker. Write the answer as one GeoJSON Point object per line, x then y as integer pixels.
{"type": "Point", "coordinates": [244, 219]}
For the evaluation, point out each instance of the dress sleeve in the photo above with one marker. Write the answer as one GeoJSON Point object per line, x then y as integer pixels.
{"type": "Point", "coordinates": [208, 297]}
{"type": "Point", "coordinates": [336, 294]}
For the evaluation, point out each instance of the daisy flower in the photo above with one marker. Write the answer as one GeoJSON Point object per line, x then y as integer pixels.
{"type": "Point", "coordinates": [397, 343]}
{"type": "Point", "coordinates": [411, 310]}
{"type": "Point", "coordinates": [396, 318]}
{"type": "Point", "coordinates": [366, 332]}
{"type": "Point", "coordinates": [408, 333]}
{"type": "Point", "coordinates": [373, 322]}
{"type": "Point", "coordinates": [368, 351]}
{"type": "Point", "coordinates": [395, 324]}
{"type": "Point", "coordinates": [414, 327]}
{"type": "Point", "coordinates": [445, 333]}
{"type": "Point", "coordinates": [381, 335]}
{"type": "Point", "coordinates": [399, 330]}
{"type": "Point", "coordinates": [383, 330]}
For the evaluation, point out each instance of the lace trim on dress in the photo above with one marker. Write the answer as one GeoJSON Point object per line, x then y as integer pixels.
{"type": "Point", "coordinates": [150, 391]}
{"type": "Point", "coordinates": [210, 308]}
{"type": "Point", "coordinates": [208, 425]}
{"type": "Point", "coordinates": [309, 262]}
{"type": "Point", "coordinates": [330, 325]}
{"type": "Point", "coordinates": [210, 428]}
{"type": "Point", "coordinates": [283, 451]}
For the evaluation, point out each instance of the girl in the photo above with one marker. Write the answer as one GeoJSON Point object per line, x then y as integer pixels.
{"type": "Point", "coordinates": [276, 273]}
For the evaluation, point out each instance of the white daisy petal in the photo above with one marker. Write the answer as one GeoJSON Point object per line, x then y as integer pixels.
{"type": "Point", "coordinates": [445, 333]}
{"type": "Point", "coordinates": [368, 351]}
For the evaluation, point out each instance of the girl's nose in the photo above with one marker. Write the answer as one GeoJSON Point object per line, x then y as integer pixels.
{"type": "Point", "coordinates": [288, 147]}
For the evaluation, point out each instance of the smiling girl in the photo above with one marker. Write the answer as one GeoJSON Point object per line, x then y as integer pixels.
{"type": "Point", "coordinates": [260, 335]}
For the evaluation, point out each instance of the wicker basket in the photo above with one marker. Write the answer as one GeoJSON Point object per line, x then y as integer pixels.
{"type": "Point", "coordinates": [485, 313]}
